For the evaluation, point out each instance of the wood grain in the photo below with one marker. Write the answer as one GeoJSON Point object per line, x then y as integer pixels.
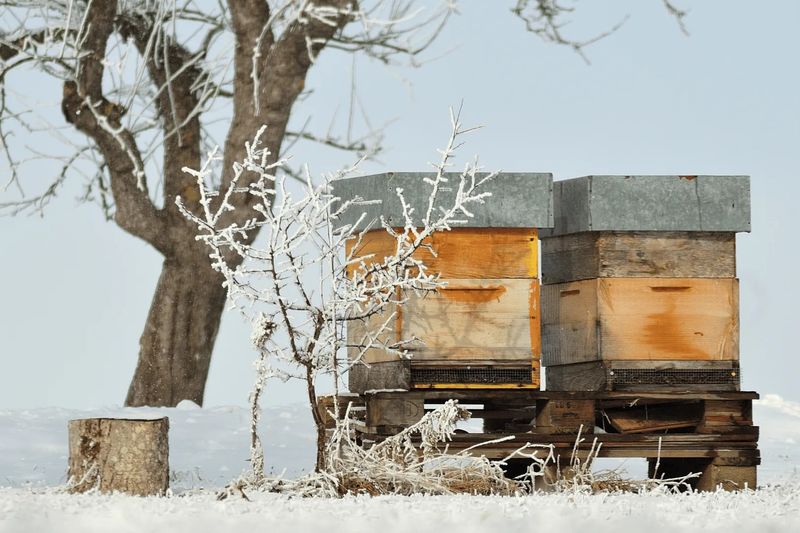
{"type": "Point", "coordinates": [490, 319]}
{"type": "Point", "coordinates": [465, 253]}
{"type": "Point", "coordinates": [394, 410]}
{"type": "Point", "coordinates": [641, 319]}
{"type": "Point", "coordinates": [668, 254]}
{"type": "Point", "coordinates": [393, 374]}
{"type": "Point", "coordinates": [655, 417]}
{"type": "Point", "coordinates": [130, 456]}
{"type": "Point", "coordinates": [565, 416]}
{"type": "Point", "coordinates": [599, 376]}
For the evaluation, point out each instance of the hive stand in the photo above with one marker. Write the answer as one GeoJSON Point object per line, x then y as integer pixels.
{"type": "Point", "coordinates": [710, 434]}
{"type": "Point", "coordinates": [640, 338]}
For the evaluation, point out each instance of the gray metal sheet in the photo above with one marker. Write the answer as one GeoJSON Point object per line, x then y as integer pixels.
{"type": "Point", "coordinates": [519, 200]}
{"type": "Point", "coordinates": [651, 203]}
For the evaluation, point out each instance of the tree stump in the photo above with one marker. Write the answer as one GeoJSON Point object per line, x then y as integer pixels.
{"type": "Point", "coordinates": [110, 454]}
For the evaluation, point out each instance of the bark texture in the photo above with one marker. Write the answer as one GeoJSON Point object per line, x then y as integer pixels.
{"type": "Point", "coordinates": [130, 456]}
{"type": "Point", "coordinates": [178, 338]}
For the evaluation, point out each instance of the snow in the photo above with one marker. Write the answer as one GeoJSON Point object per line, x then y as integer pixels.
{"type": "Point", "coordinates": [775, 509]}
{"type": "Point", "coordinates": [209, 446]}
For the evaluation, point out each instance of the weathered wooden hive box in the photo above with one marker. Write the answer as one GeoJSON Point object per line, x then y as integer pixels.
{"type": "Point", "coordinates": [482, 328]}
{"type": "Point", "coordinates": [640, 288]}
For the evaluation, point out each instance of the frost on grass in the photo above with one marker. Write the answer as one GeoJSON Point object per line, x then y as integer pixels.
{"type": "Point", "coordinates": [415, 461]}
{"type": "Point", "coordinates": [775, 509]}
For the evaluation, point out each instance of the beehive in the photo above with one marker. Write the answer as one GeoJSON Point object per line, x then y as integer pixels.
{"type": "Point", "coordinates": [640, 287]}
{"type": "Point", "coordinates": [483, 327]}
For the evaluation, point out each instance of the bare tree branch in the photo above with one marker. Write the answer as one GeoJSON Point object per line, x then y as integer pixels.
{"type": "Point", "coordinates": [679, 14]}
{"type": "Point", "coordinates": [174, 72]}
{"type": "Point", "coordinates": [85, 106]}
{"type": "Point", "coordinates": [545, 19]}
{"type": "Point", "coordinates": [286, 61]}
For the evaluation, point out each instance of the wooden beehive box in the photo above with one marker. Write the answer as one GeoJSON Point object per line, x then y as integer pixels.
{"type": "Point", "coordinates": [482, 328]}
{"type": "Point", "coordinates": [640, 287]}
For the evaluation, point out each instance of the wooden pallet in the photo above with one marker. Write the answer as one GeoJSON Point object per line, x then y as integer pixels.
{"type": "Point", "coordinates": [707, 432]}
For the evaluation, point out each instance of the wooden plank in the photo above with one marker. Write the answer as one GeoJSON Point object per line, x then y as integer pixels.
{"type": "Point", "coordinates": [465, 253]}
{"type": "Point", "coordinates": [672, 319]}
{"type": "Point", "coordinates": [564, 416]}
{"type": "Point", "coordinates": [721, 416]}
{"type": "Point", "coordinates": [570, 257]}
{"type": "Point", "coordinates": [358, 329]}
{"type": "Point", "coordinates": [611, 376]}
{"type": "Point", "coordinates": [381, 375]}
{"type": "Point", "coordinates": [721, 441]}
{"type": "Point", "coordinates": [729, 478]}
{"type": "Point", "coordinates": [641, 319]}
{"type": "Point", "coordinates": [569, 323]}
{"type": "Point", "coordinates": [655, 254]}
{"type": "Point", "coordinates": [648, 418]}
{"type": "Point", "coordinates": [490, 319]}
{"type": "Point", "coordinates": [394, 410]}
{"type": "Point", "coordinates": [326, 406]}
{"type": "Point", "coordinates": [635, 445]}
{"type": "Point", "coordinates": [523, 396]}
{"type": "Point", "coordinates": [590, 376]}
{"type": "Point", "coordinates": [753, 459]}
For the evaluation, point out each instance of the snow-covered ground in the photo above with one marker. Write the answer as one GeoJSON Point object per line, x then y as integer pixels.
{"type": "Point", "coordinates": [208, 447]}
{"type": "Point", "coordinates": [767, 510]}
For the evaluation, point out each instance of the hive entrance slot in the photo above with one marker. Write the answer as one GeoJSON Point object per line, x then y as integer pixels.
{"type": "Point", "coordinates": [470, 375]}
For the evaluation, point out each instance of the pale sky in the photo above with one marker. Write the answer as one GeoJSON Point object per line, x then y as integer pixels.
{"type": "Point", "coordinates": [726, 100]}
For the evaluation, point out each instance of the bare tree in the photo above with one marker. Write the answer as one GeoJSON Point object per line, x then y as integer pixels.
{"type": "Point", "coordinates": [144, 81]}
{"type": "Point", "coordinates": [299, 287]}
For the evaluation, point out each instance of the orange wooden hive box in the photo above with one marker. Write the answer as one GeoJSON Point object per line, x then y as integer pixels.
{"type": "Point", "coordinates": [481, 329]}
{"type": "Point", "coordinates": [640, 288]}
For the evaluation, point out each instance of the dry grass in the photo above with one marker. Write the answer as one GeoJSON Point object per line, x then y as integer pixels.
{"type": "Point", "coordinates": [416, 461]}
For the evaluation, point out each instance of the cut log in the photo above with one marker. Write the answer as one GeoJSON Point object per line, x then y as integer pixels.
{"type": "Point", "coordinates": [130, 456]}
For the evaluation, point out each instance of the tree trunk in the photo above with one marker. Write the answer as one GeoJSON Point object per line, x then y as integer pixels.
{"type": "Point", "coordinates": [175, 348]}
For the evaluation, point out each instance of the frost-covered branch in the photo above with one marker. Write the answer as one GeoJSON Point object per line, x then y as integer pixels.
{"type": "Point", "coordinates": [298, 285]}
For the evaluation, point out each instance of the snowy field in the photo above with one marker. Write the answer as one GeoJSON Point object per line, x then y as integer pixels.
{"type": "Point", "coordinates": [209, 447]}
{"type": "Point", "coordinates": [766, 510]}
